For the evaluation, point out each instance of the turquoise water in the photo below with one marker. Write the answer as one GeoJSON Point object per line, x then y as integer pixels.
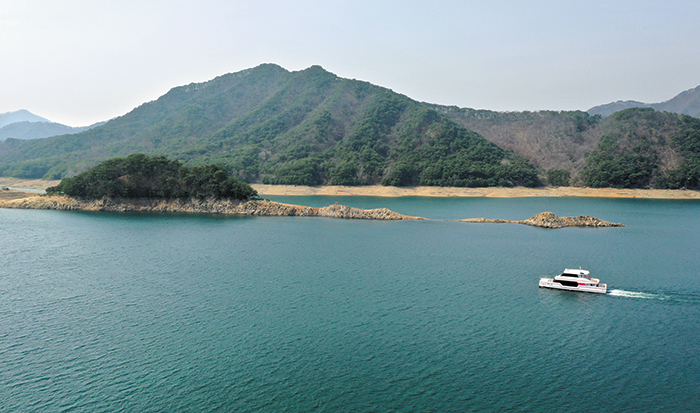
{"type": "Point", "coordinates": [163, 313]}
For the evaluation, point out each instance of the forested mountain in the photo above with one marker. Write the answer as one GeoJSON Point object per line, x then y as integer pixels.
{"type": "Point", "coordinates": [687, 103]}
{"type": "Point", "coordinates": [310, 127]}
{"type": "Point", "coordinates": [269, 125]}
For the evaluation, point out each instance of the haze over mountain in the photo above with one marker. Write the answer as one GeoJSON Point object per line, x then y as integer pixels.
{"type": "Point", "coordinates": [37, 130]}
{"type": "Point", "coordinates": [311, 127]}
{"type": "Point", "coordinates": [21, 115]}
{"type": "Point", "coordinates": [687, 102]}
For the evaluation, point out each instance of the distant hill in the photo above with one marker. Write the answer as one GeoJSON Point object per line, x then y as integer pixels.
{"type": "Point", "coordinates": [21, 115]}
{"type": "Point", "coordinates": [687, 103]}
{"type": "Point", "coordinates": [25, 125]}
{"type": "Point", "coordinates": [37, 130]}
{"type": "Point", "coordinates": [269, 125]}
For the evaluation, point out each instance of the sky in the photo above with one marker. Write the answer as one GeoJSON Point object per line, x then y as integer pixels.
{"type": "Point", "coordinates": [78, 62]}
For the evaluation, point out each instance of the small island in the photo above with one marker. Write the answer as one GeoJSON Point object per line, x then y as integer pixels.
{"type": "Point", "coordinates": [550, 220]}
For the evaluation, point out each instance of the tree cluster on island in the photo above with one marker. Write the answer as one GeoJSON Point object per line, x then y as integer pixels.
{"type": "Point", "coordinates": [141, 176]}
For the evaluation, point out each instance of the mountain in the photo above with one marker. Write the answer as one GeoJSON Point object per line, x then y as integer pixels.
{"type": "Point", "coordinates": [310, 127]}
{"type": "Point", "coordinates": [38, 130]}
{"type": "Point", "coordinates": [687, 103]}
{"type": "Point", "coordinates": [269, 125]}
{"type": "Point", "coordinates": [21, 115]}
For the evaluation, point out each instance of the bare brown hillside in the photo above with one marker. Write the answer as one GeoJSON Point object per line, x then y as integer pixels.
{"type": "Point", "coordinates": [563, 140]}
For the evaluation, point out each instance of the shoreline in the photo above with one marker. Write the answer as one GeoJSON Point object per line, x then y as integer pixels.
{"type": "Point", "coordinates": [491, 192]}
{"type": "Point", "coordinates": [268, 208]}
{"type": "Point", "coordinates": [420, 191]}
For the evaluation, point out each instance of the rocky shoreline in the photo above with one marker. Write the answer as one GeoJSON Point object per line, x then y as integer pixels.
{"type": "Point", "coordinates": [269, 208]}
{"type": "Point", "coordinates": [199, 206]}
{"type": "Point", "coordinates": [550, 220]}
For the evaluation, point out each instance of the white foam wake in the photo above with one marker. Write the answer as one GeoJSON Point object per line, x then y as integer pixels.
{"type": "Point", "coordinates": [634, 294]}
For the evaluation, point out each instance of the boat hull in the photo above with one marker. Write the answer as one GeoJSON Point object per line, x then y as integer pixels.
{"type": "Point", "coordinates": [551, 283]}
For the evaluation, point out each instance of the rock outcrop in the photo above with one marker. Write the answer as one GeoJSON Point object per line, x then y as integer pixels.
{"type": "Point", "coordinates": [206, 206]}
{"type": "Point", "coordinates": [550, 220]}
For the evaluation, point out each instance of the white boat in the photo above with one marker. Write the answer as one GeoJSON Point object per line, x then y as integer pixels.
{"type": "Point", "coordinates": [575, 280]}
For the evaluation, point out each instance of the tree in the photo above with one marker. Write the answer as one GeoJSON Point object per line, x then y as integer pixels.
{"type": "Point", "coordinates": [140, 176]}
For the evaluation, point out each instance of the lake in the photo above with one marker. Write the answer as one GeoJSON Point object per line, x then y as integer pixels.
{"type": "Point", "coordinates": [204, 313]}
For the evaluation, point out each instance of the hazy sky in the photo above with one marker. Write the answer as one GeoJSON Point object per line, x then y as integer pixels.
{"type": "Point", "coordinates": [81, 61]}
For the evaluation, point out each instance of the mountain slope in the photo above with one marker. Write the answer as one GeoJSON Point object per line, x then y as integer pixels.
{"type": "Point", "coordinates": [269, 125]}
{"type": "Point", "coordinates": [549, 139]}
{"type": "Point", "coordinates": [633, 148]}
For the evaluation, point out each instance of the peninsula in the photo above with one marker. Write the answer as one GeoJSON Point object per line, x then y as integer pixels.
{"type": "Point", "coordinates": [199, 206]}
{"type": "Point", "coordinates": [139, 183]}
{"type": "Point", "coordinates": [267, 208]}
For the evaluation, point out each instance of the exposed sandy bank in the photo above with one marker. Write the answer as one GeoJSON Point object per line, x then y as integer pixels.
{"type": "Point", "coordinates": [27, 183]}
{"type": "Point", "coordinates": [430, 191]}
{"type": "Point", "coordinates": [519, 192]}
{"type": "Point", "coordinates": [7, 195]}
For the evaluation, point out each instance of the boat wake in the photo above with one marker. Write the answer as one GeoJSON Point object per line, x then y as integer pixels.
{"type": "Point", "coordinates": [672, 297]}
{"type": "Point", "coordinates": [635, 294]}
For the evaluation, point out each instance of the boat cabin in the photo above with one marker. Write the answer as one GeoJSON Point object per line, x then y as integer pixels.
{"type": "Point", "coordinates": [576, 273]}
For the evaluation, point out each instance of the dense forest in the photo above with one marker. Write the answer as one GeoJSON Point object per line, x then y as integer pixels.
{"type": "Point", "coordinates": [269, 125]}
{"type": "Point", "coordinates": [141, 176]}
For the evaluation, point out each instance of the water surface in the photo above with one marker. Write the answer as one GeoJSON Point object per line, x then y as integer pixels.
{"type": "Point", "coordinates": [166, 312]}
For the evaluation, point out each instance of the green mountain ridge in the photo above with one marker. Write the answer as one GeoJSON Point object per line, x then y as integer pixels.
{"type": "Point", "coordinates": [311, 127]}
{"type": "Point", "coordinates": [269, 125]}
